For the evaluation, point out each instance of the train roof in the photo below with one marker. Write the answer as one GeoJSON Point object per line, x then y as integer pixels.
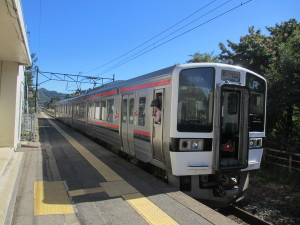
{"type": "Point", "coordinates": [122, 83]}
{"type": "Point", "coordinates": [158, 73]}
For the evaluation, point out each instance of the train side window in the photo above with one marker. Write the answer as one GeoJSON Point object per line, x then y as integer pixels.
{"type": "Point", "coordinates": [97, 111]}
{"type": "Point", "coordinates": [81, 109]}
{"type": "Point", "coordinates": [103, 110]}
{"type": "Point", "coordinates": [90, 111]}
{"type": "Point", "coordinates": [157, 119]}
{"type": "Point", "coordinates": [77, 109]}
{"type": "Point", "coordinates": [124, 111]}
{"type": "Point", "coordinates": [131, 108]}
{"type": "Point", "coordinates": [110, 110]}
{"type": "Point", "coordinates": [142, 105]}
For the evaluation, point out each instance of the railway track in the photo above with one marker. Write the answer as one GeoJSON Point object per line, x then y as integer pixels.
{"type": "Point", "coordinates": [241, 216]}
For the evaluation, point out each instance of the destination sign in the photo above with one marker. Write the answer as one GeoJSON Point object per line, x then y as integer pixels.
{"type": "Point", "coordinates": [232, 76]}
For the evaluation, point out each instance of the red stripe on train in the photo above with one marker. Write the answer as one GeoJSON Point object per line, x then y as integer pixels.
{"type": "Point", "coordinates": [142, 133]}
{"type": "Point", "coordinates": [143, 86]}
{"type": "Point", "coordinates": [106, 124]}
{"type": "Point", "coordinates": [102, 94]}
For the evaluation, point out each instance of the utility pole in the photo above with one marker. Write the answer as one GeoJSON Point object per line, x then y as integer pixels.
{"type": "Point", "coordinates": [36, 90]}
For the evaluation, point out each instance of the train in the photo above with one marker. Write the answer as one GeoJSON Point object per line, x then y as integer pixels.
{"type": "Point", "coordinates": [209, 135]}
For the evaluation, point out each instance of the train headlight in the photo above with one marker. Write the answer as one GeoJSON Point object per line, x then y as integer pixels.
{"type": "Point", "coordinates": [255, 143]}
{"type": "Point", "coordinates": [191, 144]}
{"type": "Point", "coordinates": [251, 143]}
{"type": "Point", "coordinates": [195, 145]}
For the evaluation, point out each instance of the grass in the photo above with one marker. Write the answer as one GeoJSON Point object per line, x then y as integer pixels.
{"type": "Point", "coordinates": [270, 174]}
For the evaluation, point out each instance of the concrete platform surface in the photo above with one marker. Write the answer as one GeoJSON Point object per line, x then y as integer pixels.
{"type": "Point", "coordinates": [10, 170]}
{"type": "Point", "coordinates": [69, 179]}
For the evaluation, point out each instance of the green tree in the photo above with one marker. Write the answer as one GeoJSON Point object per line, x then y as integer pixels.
{"type": "Point", "coordinates": [253, 52]}
{"type": "Point", "coordinates": [51, 104]}
{"type": "Point", "coordinates": [76, 93]}
{"type": "Point", "coordinates": [284, 77]}
{"type": "Point", "coordinates": [277, 56]}
{"type": "Point", "coordinates": [29, 76]}
{"type": "Point", "coordinates": [203, 57]}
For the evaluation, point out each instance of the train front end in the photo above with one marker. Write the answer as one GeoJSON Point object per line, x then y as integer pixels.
{"type": "Point", "coordinates": [217, 127]}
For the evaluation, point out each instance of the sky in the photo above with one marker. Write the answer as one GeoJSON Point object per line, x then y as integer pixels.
{"type": "Point", "coordinates": [126, 39]}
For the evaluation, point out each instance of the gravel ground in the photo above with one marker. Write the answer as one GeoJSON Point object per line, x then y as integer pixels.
{"type": "Point", "coordinates": [276, 202]}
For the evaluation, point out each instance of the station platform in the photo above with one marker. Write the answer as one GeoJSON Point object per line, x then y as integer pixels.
{"type": "Point", "coordinates": [70, 179]}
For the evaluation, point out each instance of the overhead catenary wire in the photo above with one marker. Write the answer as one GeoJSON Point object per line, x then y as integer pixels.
{"type": "Point", "coordinates": [70, 78]}
{"type": "Point", "coordinates": [155, 43]}
{"type": "Point", "coordinates": [164, 31]}
{"type": "Point", "coordinates": [144, 51]}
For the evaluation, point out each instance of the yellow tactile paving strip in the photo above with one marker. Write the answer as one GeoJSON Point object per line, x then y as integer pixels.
{"type": "Point", "coordinates": [51, 198]}
{"type": "Point", "coordinates": [117, 186]}
{"type": "Point", "coordinates": [149, 211]}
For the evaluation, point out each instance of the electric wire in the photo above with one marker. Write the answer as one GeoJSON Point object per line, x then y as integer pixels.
{"type": "Point", "coordinates": [154, 44]}
{"type": "Point", "coordinates": [187, 17]}
{"type": "Point", "coordinates": [171, 39]}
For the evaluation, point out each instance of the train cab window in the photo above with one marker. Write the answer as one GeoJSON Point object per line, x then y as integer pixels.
{"type": "Point", "coordinates": [257, 87]}
{"type": "Point", "coordinates": [103, 110]}
{"type": "Point", "coordinates": [195, 100]}
{"type": "Point", "coordinates": [124, 111]}
{"type": "Point", "coordinates": [110, 110]}
{"type": "Point", "coordinates": [131, 108]}
{"type": "Point", "coordinates": [142, 105]}
{"type": "Point", "coordinates": [97, 111]}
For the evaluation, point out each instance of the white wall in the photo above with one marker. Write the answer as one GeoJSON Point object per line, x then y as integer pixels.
{"type": "Point", "coordinates": [11, 91]}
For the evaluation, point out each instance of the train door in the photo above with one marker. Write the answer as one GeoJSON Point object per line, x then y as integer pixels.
{"type": "Point", "coordinates": [234, 136]}
{"type": "Point", "coordinates": [127, 122]}
{"type": "Point", "coordinates": [157, 130]}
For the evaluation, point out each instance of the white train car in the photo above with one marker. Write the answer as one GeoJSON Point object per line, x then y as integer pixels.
{"type": "Point", "coordinates": [210, 132]}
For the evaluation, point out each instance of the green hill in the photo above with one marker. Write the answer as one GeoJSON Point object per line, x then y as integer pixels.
{"type": "Point", "coordinates": [45, 96]}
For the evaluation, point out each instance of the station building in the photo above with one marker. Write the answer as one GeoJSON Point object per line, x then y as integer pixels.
{"type": "Point", "coordinates": [14, 56]}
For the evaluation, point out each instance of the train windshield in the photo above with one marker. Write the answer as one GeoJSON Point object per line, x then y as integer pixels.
{"type": "Point", "coordinates": [195, 100]}
{"type": "Point", "coordinates": [257, 87]}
